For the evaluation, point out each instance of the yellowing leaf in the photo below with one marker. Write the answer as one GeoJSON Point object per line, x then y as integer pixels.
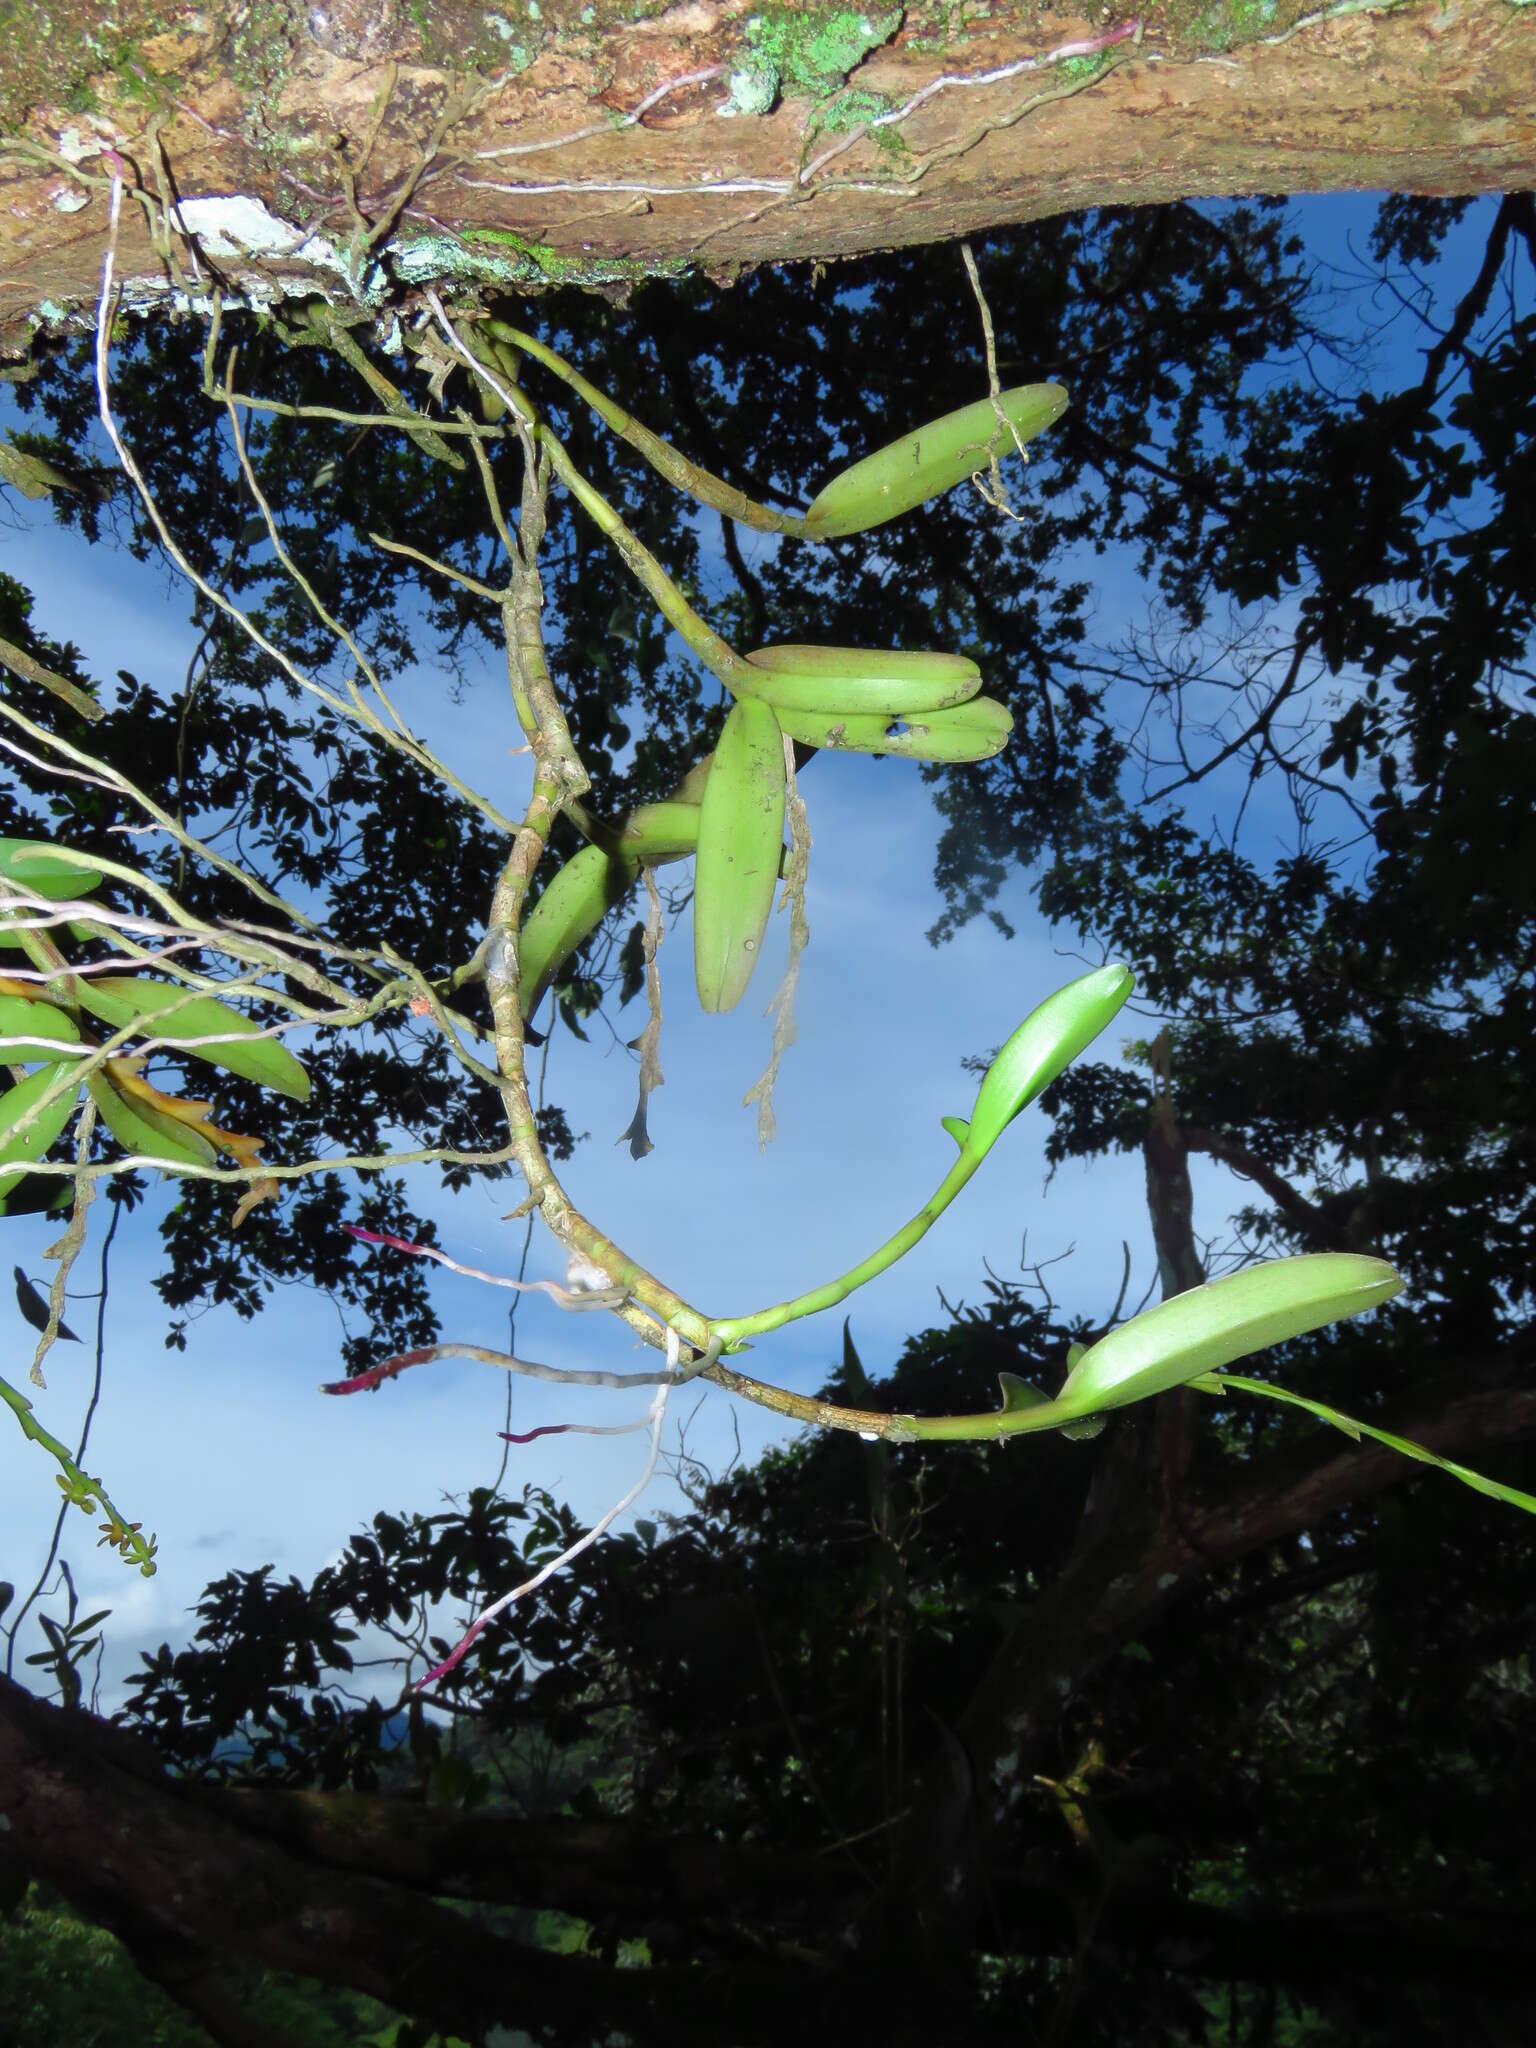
{"type": "Point", "coordinates": [141, 1129]}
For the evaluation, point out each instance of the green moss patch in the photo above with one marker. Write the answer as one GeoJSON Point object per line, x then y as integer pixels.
{"type": "Point", "coordinates": [804, 53]}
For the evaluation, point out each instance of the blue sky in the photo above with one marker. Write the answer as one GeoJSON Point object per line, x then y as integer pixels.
{"type": "Point", "coordinates": [228, 1451]}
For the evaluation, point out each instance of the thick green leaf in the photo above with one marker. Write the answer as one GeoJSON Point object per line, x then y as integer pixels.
{"type": "Point", "coordinates": [166, 1010]}
{"type": "Point", "coordinates": [741, 829]}
{"type": "Point", "coordinates": [1091, 1425]}
{"type": "Point", "coordinates": [578, 897]}
{"type": "Point", "coordinates": [1047, 1042]}
{"type": "Point", "coordinates": [860, 681]}
{"type": "Point", "coordinates": [1208, 1327]}
{"type": "Point", "coordinates": [972, 731]}
{"type": "Point", "coordinates": [662, 831]}
{"type": "Point", "coordinates": [32, 1142]}
{"type": "Point", "coordinates": [34, 864]}
{"type": "Point", "coordinates": [931, 459]}
{"type": "Point", "coordinates": [23, 1022]}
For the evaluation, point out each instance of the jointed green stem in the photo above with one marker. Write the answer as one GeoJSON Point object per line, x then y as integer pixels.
{"type": "Point", "coordinates": [687, 476]}
{"type": "Point", "coordinates": [722, 660]}
{"type": "Point", "coordinates": [991, 1427]}
{"type": "Point", "coordinates": [734, 1328]}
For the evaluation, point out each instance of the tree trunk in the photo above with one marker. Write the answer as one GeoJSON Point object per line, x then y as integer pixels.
{"type": "Point", "coordinates": [368, 150]}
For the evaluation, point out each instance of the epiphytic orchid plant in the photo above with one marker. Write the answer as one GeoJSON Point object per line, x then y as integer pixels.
{"type": "Point", "coordinates": [81, 1034]}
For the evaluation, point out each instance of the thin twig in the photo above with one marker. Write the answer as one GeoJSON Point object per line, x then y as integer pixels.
{"type": "Point", "coordinates": [296, 575]}
{"type": "Point", "coordinates": [303, 1169]}
{"type": "Point", "coordinates": [612, 127]}
{"type": "Point", "coordinates": [470, 583]}
{"type": "Point", "coordinates": [994, 491]}
{"type": "Point", "coordinates": [374, 1376]}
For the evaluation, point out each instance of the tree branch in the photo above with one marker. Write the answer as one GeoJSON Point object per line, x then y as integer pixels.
{"type": "Point", "coordinates": [179, 1872]}
{"type": "Point", "coordinates": [1315, 1226]}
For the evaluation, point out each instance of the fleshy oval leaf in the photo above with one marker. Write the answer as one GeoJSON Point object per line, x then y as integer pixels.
{"type": "Point", "coordinates": [931, 459]}
{"type": "Point", "coordinates": [1208, 1327]}
{"type": "Point", "coordinates": [661, 831]}
{"type": "Point", "coordinates": [741, 831]}
{"type": "Point", "coordinates": [972, 731]}
{"type": "Point", "coordinates": [1047, 1042]}
{"type": "Point", "coordinates": [860, 680]}
{"type": "Point", "coordinates": [574, 903]}
{"type": "Point", "coordinates": [23, 1023]}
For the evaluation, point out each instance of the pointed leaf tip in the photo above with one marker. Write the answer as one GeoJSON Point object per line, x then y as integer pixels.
{"type": "Point", "coordinates": [1019, 1393]}
{"type": "Point", "coordinates": [1044, 1045]}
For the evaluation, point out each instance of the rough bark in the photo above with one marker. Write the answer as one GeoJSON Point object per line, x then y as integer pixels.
{"type": "Point", "coordinates": [431, 143]}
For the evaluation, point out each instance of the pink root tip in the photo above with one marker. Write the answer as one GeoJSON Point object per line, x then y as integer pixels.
{"type": "Point", "coordinates": [399, 1244]}
{"type": "Point", "coordinates": [455, 1657]}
